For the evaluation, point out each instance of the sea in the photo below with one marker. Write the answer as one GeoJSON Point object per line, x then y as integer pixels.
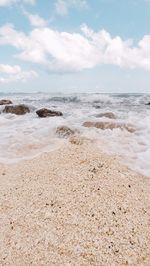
{"type": "Point", "coordinates": [27, 136]}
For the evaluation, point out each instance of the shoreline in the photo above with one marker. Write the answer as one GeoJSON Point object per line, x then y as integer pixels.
{"type": "Point", "coordinates": [74, 206]}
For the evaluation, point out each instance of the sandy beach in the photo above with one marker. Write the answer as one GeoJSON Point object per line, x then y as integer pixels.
{"type": "Point", "coordinates": [74, 206]}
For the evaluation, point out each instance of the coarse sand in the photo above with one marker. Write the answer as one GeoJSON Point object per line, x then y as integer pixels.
{"type": "Point", "coordinates": [74, 206]}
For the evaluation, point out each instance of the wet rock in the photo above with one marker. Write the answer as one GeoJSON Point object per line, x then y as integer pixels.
{"type": "Point", "coordinates": [97, 106]}
{"type": "Point", "coordinates": [17, 109]}
{"type": "Point", "coordinates": [64, 132]}
{"type": "Point", "coordinates": [76, 140]}
{"type": "Point", "coordinates": [108, 115]}
{"type": "Point", "coordinates": [48, 113]}
{"type": "Point", "coordinates": [4, 102]}
{"type": "Point", "coordinates": [108, 125]}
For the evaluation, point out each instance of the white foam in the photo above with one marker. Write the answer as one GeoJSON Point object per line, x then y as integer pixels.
{"type": "Point", "coordinates": [23, 137]}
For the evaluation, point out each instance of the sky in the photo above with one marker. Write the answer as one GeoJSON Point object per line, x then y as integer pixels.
{"type": "Point", "coordinates": [75, 46]}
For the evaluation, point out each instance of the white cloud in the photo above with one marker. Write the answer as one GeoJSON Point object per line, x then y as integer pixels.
{"type": "Point", "coordinates": [6, 2]}
{"type": "Point", "coordinates": [31, 2]}
{"type": "Point", "coordinates": [10, 2]}
{"type": "Point", "coordinates": [63, 6]}
{"type": "Point", "coordinates": [9, 69]}
{"type": "Point", "coordinates": [14, 73]}
{"type": "Point", "coordinates": [63, 51]}
{"type": "Point", "coordinates": [35, 19]}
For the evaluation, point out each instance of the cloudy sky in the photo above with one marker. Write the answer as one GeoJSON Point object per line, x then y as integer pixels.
{"type": "Point", "coordinates": [75, 45]}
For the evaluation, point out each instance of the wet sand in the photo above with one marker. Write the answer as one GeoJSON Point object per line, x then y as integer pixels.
{"type": "Point", "coordinates": [74, 206]}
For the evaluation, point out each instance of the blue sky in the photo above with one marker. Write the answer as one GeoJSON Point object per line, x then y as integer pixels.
{"type": "Point", "coordinates": [75, 45]}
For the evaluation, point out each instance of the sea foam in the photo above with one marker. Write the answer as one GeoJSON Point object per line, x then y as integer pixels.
{"type": "Point", "coordinates": [23, 137]}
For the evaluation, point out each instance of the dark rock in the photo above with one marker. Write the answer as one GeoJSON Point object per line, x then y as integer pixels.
{"type": "Point", "coordinates": [17, 109]}
{"type": "Point", "coordinates": [108, 115]}
{"type": "Point", "coordinates": [97, 106]}
{"type": "Point", "coordinates": [109, 125]}
{"type": "Point", "coordinates": [4, 102]}
{"type": "Point", "coordinates": [147, 103]}
{"type": "Point", "coordinates": [48, 113]}
{"type": "Point", "coordinates": [65, 132]}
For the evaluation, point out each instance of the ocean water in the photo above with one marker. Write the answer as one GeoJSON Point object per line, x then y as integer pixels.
{"type": "Point", "coordinates": [23, 137]}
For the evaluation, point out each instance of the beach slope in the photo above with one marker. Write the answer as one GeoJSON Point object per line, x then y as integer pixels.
{"type": "Point", "coordinates": [74, 206]}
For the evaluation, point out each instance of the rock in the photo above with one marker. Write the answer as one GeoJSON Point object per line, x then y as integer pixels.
{"type": "Point", "coordinates": [108, 115]}
{"type": "Point", "coordinates": [147, 103]}
{"type": "Point", "coordinates": [97, 106]}
{"type": "Point", "coordinates": [4, 102]}
{"type": "Point", "coordinates": [48, 113]}
{"type": "Point", "coordinates": [76, 140]}
{"type": "Point", "coordinates": [64, 132]}
{"type": "Point", "coordinates": [17, 109]}
{"type": "Point", "coordinates": [109, 125]}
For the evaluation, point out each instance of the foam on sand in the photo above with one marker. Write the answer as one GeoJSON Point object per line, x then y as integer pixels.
{"type": "Point", "coordinates": [127, 135]}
